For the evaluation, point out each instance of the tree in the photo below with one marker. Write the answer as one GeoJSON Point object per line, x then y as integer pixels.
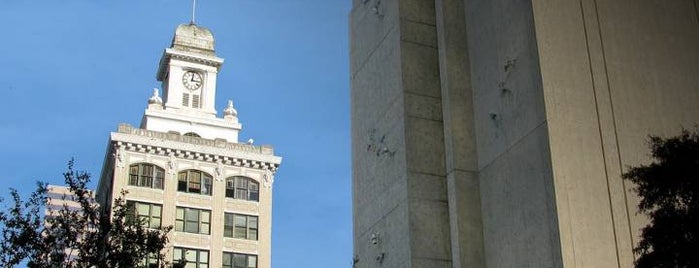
{"type": "Point", "coordinates": [69, 237]}
{"type": "Point", "coordinates": [669, 192]}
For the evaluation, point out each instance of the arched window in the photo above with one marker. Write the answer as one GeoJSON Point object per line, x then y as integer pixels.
{"type": "Point", "coordinates": [192, 134]}
{"type": "Point", "coordinates": [194, 181]}
{"type": "Point", "coordinates": [146, 175]}
{"type": "Point", "coordinates": [244, 188]}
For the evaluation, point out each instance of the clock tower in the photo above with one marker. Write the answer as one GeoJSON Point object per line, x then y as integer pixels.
{"type": "Point", "coordinates": [187, 71]}
{"type": "Point", "coordinates": [184, 167]}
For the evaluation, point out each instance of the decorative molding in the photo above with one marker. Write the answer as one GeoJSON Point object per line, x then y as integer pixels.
{"type": "Point", "coordinates": [268, 179]}
{"type": "Point", "coordinates": [176, 146]}
{"type": "Point", "coordinates": [171, 53]}
{"type": "Point", "coordinates": [197, 59]}
{"type": "Point", "coordinates": [219, 170]}
{"type": "Point", "coordinates": [172, 164]}
{"type": "Point", "coordinates": [176, 137]}
{"type": "Point", "coordinates": [191, 155]}
{"type": "Point", "coordinates": [119, 156]}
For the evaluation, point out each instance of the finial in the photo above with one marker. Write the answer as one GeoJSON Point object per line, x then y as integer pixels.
{"type": "Point", "coordinates": [155, 98]}
{"type": "Point", "coordinates": [194, 8]}
{"type": "Point", "coordinates": [230, 111]}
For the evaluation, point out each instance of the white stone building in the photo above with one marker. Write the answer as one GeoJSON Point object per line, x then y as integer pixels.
{"type": "Point", "coordinates": [184, 166]}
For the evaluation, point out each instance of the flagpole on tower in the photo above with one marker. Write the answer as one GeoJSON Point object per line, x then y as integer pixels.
{"type": "Point", "coordinates": [194, 8]}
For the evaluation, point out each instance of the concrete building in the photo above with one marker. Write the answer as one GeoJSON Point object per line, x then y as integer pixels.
{"type": "Point", "coordinates": [61, 199]}
{"type": "Point", "coordinates": [493, 133]}
{"type": "Point", "coordinates": [184, 166]}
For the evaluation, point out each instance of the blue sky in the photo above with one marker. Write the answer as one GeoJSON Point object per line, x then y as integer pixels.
{"type": "Point", "coordinates": [71, 71]}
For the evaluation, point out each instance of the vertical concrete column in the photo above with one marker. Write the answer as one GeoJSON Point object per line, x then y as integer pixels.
{"type": "Point", "coordinates": [515, 179]}
{"type": "Point", "coordinates": [609, 145]}
{"type": "Point", "coordinates": [465, 219]}
{"type": "Point", "coordinates": [424, 136]}
{"type": "Point", "coordinates": [379, 176]}
{"type": "Point", "coordinates": [401, 212]}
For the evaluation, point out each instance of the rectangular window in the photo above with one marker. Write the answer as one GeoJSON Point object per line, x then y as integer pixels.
{"type": "Point", "coordinates": [194, 182]}
{"type": "Point", "coordinates": [159, 178]}
{"type": "Point", "coordinates": [148, 214]}
{"type": "Point", "coordinates": [192, 220]}
{"type": "Point", "coordinates": [133, 177]}
{"type": "Point", "coordinates": [182, 182]}
{"type": "Point", "coordinates": [241, 189]}
{"type": "Point", "coordinates": [146, 179]}
{"type": "Point", "coordinates": [254, 192]}
{"type": "Point", "coordinates": [185, 99]}
{"type": "Point", "coordinates": [150, 261]}
{"type": "Point", "coordinates": [195, 258]}
{"type": "Point", "coordinates": [195, 100]}
{"type": "Point", "coordinates": [230, 188]}
{"type": "Point", "coordinates": [240, 226]}
{"type": "Point", "coordinates": [239, 260]}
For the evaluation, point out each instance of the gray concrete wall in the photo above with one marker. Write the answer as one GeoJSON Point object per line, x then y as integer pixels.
{"type": "Point", "coordinates": [466, 224]}
{"type": "Point", "coordinates": [494, 133]}
{"type": "Point", "coordinates": [399, 185]}
{"type": "Point", "coordinates": [613, 72]}
{"type": "Point", "coordinates": [516, 183]}
{"type": "Point", "coordinates": [379, 179]}
{"type": "Point", "coordinates": [427, 191]}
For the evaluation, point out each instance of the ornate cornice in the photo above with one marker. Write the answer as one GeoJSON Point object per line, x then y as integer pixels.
{"type": "Point", "coordinates": [174, 145]}
{"type": "Point", "coordinates": [216, 62]}
{"type": "Point", "coordinates": [170, 53]}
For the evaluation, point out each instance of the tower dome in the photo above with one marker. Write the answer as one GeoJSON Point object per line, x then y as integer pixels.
{"type": "Point", "coordinates": [193, 38]}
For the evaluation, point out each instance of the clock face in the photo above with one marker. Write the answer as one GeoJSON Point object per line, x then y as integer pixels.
{"type": "Point", "coordinates": [192, 80]}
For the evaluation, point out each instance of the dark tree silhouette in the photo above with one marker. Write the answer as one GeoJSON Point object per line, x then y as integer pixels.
{"type": "Point", "coordinates": [69, 237]}
{"type": "Point", "coordinates": [669, 192]}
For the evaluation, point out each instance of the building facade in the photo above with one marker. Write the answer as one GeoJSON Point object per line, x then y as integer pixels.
{"type": "Point", "coordinates": [493, 133]}
{"type": "Point", "coordinates": [184, 167]}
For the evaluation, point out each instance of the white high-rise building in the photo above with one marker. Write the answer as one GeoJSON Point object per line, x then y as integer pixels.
{"type": "Point", "coordinates": [184, 166]}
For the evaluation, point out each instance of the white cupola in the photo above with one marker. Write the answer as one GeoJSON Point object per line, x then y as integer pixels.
{"type": "Point", "coordinates": [187, 71]}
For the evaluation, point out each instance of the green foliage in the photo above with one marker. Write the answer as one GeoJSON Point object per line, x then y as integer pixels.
{"type": "Point", "coordinates": [669, 192]}
{"type": "Point", "coordinates": [69, 237]}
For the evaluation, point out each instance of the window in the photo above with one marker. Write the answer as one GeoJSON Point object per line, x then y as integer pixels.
{"type": "Point", "coordinates": [146, 175]}
{"type": "Point", "coordinates": [195, 258]}
{"type": "Point", "coordinates": [238, 260]}
{"type": "Point", "coordinates": [240, 226]}
{"type": "Point", "coordinates": [194, 181]}
{"type": "Point", "coordinates": [195, 101]}
{"type": "Point", "coordinates": [149, 215]}
{"type": "Point", "coordinates": [150, 261]}
{"type": "Point", "coordinates": [185, 99]}
{"type": "Point", "coordinates": [245, 188]}
{"type": "Point", "coordinates": [192, 220]}
{"type": "Point", "coordinates": [192, 134]}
